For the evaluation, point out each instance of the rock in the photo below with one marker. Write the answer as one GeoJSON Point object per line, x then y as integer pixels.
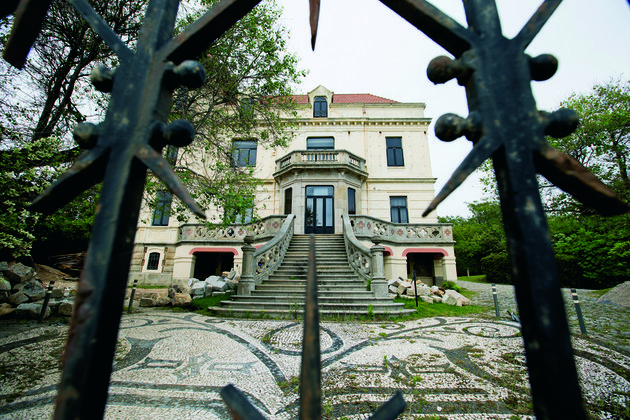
{"type": "Point", "coordinates": [56, 293]}
{"type": "Point", "coordinates": [31, 310]}
{"type": "Point", "coordinates": [162, 300]}
{"type": "Point", "coordinates": [232, 285]}
{"type": "Point", "coordinates": [215, 284]}
{"type": "Point", "coordinates": [451, 297]}
{"type": "Point", "coordinates": [18, 298]}
{"type": "Point", "coordinates": [174, 288]}
{"type": "Point", "coordinates": [34, 290]}
{"type": "Point", "coordinates": [436, 299]}
{"type": "Point", "coordinates": [198, 290]}
{"type": "Point", "coordinates": [426, 299]}
{"type": "Point", "coordinates": [192, 281]}
{"type": "Point", "coordinates": [6, 312]}
{"type": "Point", "coordinates": [4, 267]}
{"type": "Point", "coordinates": [19, 273]}
{"type": "Point", "coordinates": [618, 295]}
{"type": "Point", "coordinates": [393, 289]}
{"type": "Point", "coordinates": [5, 285]}
{"type": "Point", "coordinates": [231, 275]}
{"type": "Point", "coordinates": [181, 299]}
{"type": "Point", "coordinates": [423, 289]}
{"type": "Point", "coordinates": [65, 308]}
{"type": "Point", "coordinates": [4, 297]}
{"type": "Point", "coordinates": [147, 302]}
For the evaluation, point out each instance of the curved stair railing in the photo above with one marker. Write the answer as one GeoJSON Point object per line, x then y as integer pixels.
{"type": "Point", "coordinates": [359, 255]}
{"type": "Point", "coordinates": [269, 256]}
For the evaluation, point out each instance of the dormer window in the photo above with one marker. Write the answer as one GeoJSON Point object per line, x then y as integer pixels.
{"type": "Point", "coordinates": [320, 107]}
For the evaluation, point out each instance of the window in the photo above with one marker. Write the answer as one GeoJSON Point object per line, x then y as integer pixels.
{"type": "Point", "coordinates": [394, 151]}
{"type": "Point", "coordinates": [320, 143]}
{"type": "Point", "coordinates": [399, 209]}
{"type": "Point", "coordinates": [320, 107]}
{"type": "Point", "coordinates": [162, 209]}
{"type": "Point", "coordinates": [154, 261]}
{"type": "Point", "coordinates": [288, 200]}
{"type": "Point", "coordinates": [244, 218]}
{"type": "Point", "coordinates": [244, 153]}
{"type": "Point", "coordinates": [352, 205]}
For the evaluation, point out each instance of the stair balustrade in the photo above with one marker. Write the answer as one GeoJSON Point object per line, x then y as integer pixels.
{"type": "Point", "coordinates": [269, 256]}
{"type": "Point", "coordinates": [359, 255]}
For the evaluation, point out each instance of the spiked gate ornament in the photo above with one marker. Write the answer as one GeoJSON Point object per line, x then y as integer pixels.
{"type": "Point", "coordinates": [504, 124]}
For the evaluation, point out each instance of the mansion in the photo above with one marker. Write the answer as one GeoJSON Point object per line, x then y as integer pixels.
{"type": "Point", "coordinates": [358, 166]}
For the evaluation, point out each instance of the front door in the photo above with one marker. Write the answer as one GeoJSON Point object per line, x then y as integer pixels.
{"type": "Point", "coordinates": [318, 217]}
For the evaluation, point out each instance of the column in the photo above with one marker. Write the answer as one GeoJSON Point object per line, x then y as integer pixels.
{"type": "Point", "coordinates": [379, 283]}
{"type": "Point", "coordinates": [246, 283]}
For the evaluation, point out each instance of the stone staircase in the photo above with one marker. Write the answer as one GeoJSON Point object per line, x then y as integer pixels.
{"type": "Point", "coordinates": [340, 291]}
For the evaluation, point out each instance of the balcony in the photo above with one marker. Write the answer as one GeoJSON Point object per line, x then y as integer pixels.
{"type": "Point", "coordinates": [366, 227]}
{"type": "Point", "coordinates": [264, 229]}
{"type": "Point", "coordinates": [339, 160]}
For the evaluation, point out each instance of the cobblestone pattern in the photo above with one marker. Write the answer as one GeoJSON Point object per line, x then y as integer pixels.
{"type": "Point", "coordinates": [173, 365]}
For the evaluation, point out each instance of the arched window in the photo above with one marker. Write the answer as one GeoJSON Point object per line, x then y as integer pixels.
{"type": "Point", "coordinates": [320, 107]}
{"type": "Point", "coordinates": [154, 261]}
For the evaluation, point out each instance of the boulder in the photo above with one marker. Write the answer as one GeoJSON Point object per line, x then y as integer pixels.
{"type": "Point", "coordinates": [5, 285]}
{"type": "Point", "coordinates": [436, 299]}
{"type": "Point", "coordinates": [198, 290]}
{"type": "Point", "coordinates": [181, 299]}
{"type": "Point", "coordinates": [6, 312]}
{"type": "Point", "coordinates": [4, 267]}
{"type": "Point", "coordinates": [18, 298]}
{"type": "Point", "coordinates": [34, 290]}
{"type": "Point", "coordinates": [147, 302]}
{"type": "Point", "coordinates": [423, 289]}
{"type": "Point", "coordinates": [393, 289]}
{"type": "Point", "coordinates": [192, 281]}
{"type": "Point", "coordinates": [19, 273]}
{"type": "Point", "coordinates": [231, 275]}
{"type": "Point", "coordinates": [215, 284]}
{"type": "Point", "coordinates": [451, 297]}
{"type": "Point", "coordinates": [65, 308]}
{"type": "Point", "coordinates": [31, 310]}
{"type": "Point", "coordinates": [618, 295]}
{"type": "Point", "coordinates": [426, 299]}
{"type": "Point", "coordinates": [162, 300]}
{"type": "Point", "coordinates": [4, 297]}
{"type": "Point", "coordinates": [56, 293]}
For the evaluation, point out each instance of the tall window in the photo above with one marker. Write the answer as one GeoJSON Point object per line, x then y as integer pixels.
{"type": "Point", "coordinates": [320, 107]}
{"type": "Point", "coordinates": [244, 218]}
{"type": "Point", "coordinates": [288, 201]}
{"type": "Point", "coordinates": [320, 143]}
{"type": "Point", "coordinates": [352, 204]}
{"type": "Point", "coordinates": [394, 151]}
{"type": "Point", "coordinates": [154, 261]}
{"type": "Point", "coordinates": [163, 208]}
{"type": "Point", "coordinates": [244, 153]}
{"type": "Point", "coordinates": [399, 209]}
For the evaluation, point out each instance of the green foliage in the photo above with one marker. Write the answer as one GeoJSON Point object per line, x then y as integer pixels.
{"type": "Point", "coordinates": [428, 310]}
{"type": "Point", "coordinates": [20, 182]}
{"type": "Point", "coordinates": [245, 96]}
{"type": "Point", "coordinates": [202, 304]}
{"type": "Point", "coordinates": [477, 236]}
{"type": "Point", "coordinates": [451, 285]}
{"type": "Point", "coordinates": [497, 268]}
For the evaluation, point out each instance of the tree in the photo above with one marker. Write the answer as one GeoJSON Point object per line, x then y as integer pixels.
{"type": "Point", "coordinates": [246, 94]}
{"type": "Point", "coordinates": [478, 236]}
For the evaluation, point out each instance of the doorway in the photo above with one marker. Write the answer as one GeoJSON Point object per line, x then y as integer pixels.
{"type": "Point", "coordinates": [318, 216]}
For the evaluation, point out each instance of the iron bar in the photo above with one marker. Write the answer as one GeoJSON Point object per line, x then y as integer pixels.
{"type": "Point", "coordinates": [578, 310]}
{"type": "Point", "coordinates": [49, 290]}
{"type": "Point", "coordinates": [132, 295]}
{"type": "Point", "coordinates": [415, 287]}
{"type": "Point", "coordinates": [496, 300]}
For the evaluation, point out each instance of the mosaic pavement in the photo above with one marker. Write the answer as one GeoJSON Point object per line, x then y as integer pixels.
{"type": "Point", "coordinates": [173, 365]}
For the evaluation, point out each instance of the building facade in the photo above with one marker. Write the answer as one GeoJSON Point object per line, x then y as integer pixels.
{"type": "Point", "coordinates": [357, 162]}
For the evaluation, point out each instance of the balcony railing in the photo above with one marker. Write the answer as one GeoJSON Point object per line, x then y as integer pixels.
{"type": "Point", "coordinates": [320, 157]}
{"type": "Point", "coordinates": [266, 228]}
{"type": "Point", "coordinates": [366, 227]}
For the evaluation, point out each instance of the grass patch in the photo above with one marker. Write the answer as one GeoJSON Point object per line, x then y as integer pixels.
{"type": "Point", "coordinates": [599, 293]}
{"type": "Point", "coordinates": [474, 279]}
{"type": "Point", "coordinates": [427, 310]}
{"type": "Point", "coordinates": [200, 305]}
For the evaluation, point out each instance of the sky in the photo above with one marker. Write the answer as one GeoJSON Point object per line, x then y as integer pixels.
{"type": "Point", "coordinates": [364, 47]}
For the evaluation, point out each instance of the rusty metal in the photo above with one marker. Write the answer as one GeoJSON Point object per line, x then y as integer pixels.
{"type": "Point", "coordinates": [504, 124]}
{"type": "Point", "coordinates": [496, 74]}
{"type": "Point", "coordinates": [49, 290]}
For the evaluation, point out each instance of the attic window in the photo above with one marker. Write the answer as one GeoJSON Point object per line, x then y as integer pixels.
{"type": "Point", "coordinates": [320, 107]}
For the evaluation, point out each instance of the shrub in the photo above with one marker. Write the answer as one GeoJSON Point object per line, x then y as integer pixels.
{"type": "Point", "coordinates": [451, 285]}
{"type": "Point", "coordinates": [497, 268]}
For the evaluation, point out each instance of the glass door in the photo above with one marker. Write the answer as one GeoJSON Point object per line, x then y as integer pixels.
{"type": "Point", "coordinates": [318, 217]}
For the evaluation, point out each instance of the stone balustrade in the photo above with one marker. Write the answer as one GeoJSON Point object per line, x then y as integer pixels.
{"type": "Point", "coordinates": [359, 256]}
{"type": "Point", "coordinates": [320, 157]}
{"type": "Point", "coordinates": [265, 228]}
{"type": "Point", "coordinates": [366, 227]}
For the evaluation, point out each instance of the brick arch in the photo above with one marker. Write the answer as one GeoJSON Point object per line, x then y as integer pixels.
{"type": "Point", "coordinates": [425, 251]}
{"type": "Point", "coordinates": [212, 249]}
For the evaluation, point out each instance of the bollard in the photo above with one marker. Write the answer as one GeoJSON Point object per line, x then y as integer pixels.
{"type": "Point", "coordinates": [496, 300]}
{"type": "Point", "coordinates": [578, 310]}
{"type": "Point", "coordinates": [133, 292]}
{"type": "Point", "coordinates": [46, 300]}
{"type": "Point", "coordinates": [415, 287]}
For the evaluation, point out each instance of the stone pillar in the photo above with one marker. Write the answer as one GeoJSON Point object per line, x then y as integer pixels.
{"type": "Point", "coordinates": [246, 283]}
{"type": "Point", "coordinates": [379, 282]}
{"type": "Point", "coordinates": [438, 267]}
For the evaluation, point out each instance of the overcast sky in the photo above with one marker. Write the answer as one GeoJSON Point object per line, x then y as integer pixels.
{"type": "Point", "coordinates": [364, 47]}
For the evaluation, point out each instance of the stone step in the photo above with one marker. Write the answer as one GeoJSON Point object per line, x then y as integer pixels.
{"type": "Point", "coordinates": [321, 293]}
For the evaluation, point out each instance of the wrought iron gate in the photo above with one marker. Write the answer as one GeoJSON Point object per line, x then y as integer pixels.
{"type": "Point", "coordinates": [503, 124]}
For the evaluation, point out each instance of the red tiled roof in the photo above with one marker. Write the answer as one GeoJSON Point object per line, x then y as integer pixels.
{"type": "Point", "coordinates": [349, 98]}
